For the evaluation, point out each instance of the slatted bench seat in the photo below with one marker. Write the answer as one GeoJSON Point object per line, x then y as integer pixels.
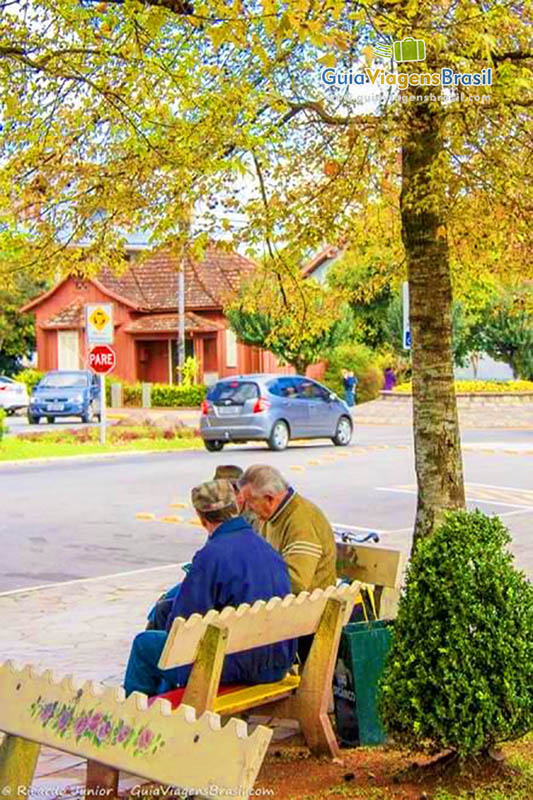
{"type": "Point", "coordinates": [204, 641]}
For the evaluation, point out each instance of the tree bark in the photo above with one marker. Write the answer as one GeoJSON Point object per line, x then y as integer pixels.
{"type": "Point", "coordinates": [438, 459]}
{"type": "Point", "coordinates": [300, 365]}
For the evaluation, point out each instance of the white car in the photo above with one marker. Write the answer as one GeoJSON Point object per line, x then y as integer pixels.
{"type": "Point", "coordinates": [13, 395]}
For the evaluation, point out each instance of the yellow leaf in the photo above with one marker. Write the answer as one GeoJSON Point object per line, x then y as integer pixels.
{"type": "Point", "coordinates": [329, 60]}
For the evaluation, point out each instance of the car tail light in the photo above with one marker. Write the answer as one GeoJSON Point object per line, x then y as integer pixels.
{"type": "Point", "coordinates": [261, 404]}
{"type": "Point", "coordinates": [205, 407]}
{"type": "Point", "coordinates": [2, 388]}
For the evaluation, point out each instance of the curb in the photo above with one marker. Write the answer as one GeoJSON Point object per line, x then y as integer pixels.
{"type": "Point", "coordinates": [90, 456]}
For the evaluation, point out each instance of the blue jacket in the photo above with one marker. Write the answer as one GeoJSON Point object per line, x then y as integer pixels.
{"type": "Point", "coordinates": [237, 566]}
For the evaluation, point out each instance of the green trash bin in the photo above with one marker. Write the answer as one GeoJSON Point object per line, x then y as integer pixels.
{"type": "Point", "coordinates": [362, 653]}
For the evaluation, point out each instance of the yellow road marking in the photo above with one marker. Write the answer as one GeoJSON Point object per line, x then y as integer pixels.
{"type": "Point", "coordinates": [179, 505]}
{"type": "Point", "coordinates": [494, 494]}
{"type": "Point", "coordinates": [195, 522]}
{"type": "Point", "coordinates": [314, 461]}
{"type": "Point", "coordinates": [297, 468]}
{"type": "Point", "coordinates": [145, 515]}
{"type": "Point", "coordinates": [172, 518]}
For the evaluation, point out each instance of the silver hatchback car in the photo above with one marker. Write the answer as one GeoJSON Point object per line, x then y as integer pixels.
{"type": "Point", "coordinates": [272, 408]}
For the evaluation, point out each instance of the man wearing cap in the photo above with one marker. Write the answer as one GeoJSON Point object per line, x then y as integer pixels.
{"type": "Point", "coordinates": [232, 473]}
{"type": "Point", "coordinates": [158, 614]}
{"type": "Point", "coordinates": [234, 566]}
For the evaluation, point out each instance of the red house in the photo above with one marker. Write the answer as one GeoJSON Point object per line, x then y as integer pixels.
{"type": "Point", "coordinates": [146, 320]}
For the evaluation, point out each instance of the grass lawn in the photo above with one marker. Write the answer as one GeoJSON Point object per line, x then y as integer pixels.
{"type": "Point", "coordinates": [86, 442]}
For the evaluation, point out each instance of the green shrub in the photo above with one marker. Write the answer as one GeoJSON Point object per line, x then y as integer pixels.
{"type": "Point", "coordinates": [190, 371]}
{"type": "Point", "coordinates": [30, 377]}
{"type": "Point", "coordinates": [164, 395]}
{"type": "Point", "coordinates": [2, 423]}
{"type": "Point", "coordinates": [362, 361]}
{"type": "Point", "coordinates": [459, 673]}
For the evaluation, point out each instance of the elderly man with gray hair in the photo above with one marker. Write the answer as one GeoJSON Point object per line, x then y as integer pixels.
{"type": "Point", "coordinates": [293, 525]}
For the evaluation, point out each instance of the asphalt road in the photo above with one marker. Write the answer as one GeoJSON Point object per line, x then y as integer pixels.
{"type": "Point", "coordinates": [63, 521]}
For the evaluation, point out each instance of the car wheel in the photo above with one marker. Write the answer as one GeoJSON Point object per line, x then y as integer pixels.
{"type": "Point", "coordinates": [343, 434]}
{"type": "Point", "coordinates": [33, 420]}
{"type": "Point", "coordinates": [213, 445]}
{"type": "Point", "coordinates": [50, 420]}
{"type": "Point", "coordinates": [10, 412]}
{"type": "Point", "coordinates": [88, 416]}
{"type": "Point", "coordinates": [279, 436]}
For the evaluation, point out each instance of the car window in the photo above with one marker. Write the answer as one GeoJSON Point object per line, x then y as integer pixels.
{"type": "Point", "coordinates": [275, 388]}
{"type": "Point", "coordinates": [63, 380]}
{"type": "Point", "coordinates": [288, 387]}
{"type": "Point", "coordinates": [308, 390]}
{"type": "Point", "coordinates": [233, 392]}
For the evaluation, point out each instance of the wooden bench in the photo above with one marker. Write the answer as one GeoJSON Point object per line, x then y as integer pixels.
{"type": "Point", "coordinates": [177, 739]}
{"type": "Point", "coordinates": [99, 724]}
{"type": "Point", "coordinates": [379, 569]}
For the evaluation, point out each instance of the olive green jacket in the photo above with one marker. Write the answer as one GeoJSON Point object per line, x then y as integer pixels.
{"type": "Point", "coordinates": [300, 532]}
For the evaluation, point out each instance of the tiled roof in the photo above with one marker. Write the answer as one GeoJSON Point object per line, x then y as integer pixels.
{"type": "Point", "coordinates": [153, 284]}
{"type": "Point", "coordinates": [70, 316]}
{"type": "Point", "coordinates": [324, 255]}
{"type": "Point", "coordinates": [168, 323]}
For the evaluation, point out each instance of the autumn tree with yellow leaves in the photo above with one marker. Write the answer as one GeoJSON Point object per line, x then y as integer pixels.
{"type": "Point", "coordinates": [120, 115]}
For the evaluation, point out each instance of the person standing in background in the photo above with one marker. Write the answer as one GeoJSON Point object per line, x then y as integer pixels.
{"type": "Point", "coordinates": [349, 382]}
{"type": "Point", "coordinates": [390, 380]}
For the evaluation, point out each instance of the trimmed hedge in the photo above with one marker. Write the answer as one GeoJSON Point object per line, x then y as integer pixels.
{"type": "Point", "coordinates": [459, 674]}
{"type": "Point", "coordinates": [2, 423]}
{"type": "Point", "coordinates": [163, 395]}
{"type": "Point", "coordinates": [469, 387]}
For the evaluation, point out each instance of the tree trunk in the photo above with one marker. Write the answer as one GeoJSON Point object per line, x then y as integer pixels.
{"type": "Point", "coordinates": [300, 365]}
{"type": "Point", "coordinates": [436, 427]}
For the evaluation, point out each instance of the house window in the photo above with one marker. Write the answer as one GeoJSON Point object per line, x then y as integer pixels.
{"type": "Point", "coordinates": [231, 349]}
{"type": "Point", "coordinates": [68, 353]}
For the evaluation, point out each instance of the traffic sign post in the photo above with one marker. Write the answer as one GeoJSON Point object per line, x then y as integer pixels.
{"type": "Point", "coordinates": [406, 333]}
{"type": "Point", "coordinates": [102, 359]}
{"type": "Point", "coordinates": [99, 323]}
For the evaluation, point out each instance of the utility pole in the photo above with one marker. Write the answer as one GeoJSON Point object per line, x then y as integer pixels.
{"type": "Point", "coordinates": [184, 227]}
{"type": "Point", "coordinates": [181, 318]}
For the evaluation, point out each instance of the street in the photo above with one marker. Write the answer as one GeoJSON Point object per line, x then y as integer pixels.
{"type": "Point", "coordinates": [64, 521]}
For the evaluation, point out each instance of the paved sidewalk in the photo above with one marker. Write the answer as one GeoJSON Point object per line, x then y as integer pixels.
{"type": "Point", "coordinates": [493, 413]}
{"type": "Point", "coordinates": [85, 628]}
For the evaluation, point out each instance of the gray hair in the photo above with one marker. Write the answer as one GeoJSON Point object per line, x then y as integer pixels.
{"type": "Point", "coordinates": [263, 480]}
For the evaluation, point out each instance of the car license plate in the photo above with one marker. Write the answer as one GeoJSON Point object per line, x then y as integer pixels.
{"type": "Point", "coordinates": [55, 406]}
{"type": "Point", "coordinates": [227, 411]}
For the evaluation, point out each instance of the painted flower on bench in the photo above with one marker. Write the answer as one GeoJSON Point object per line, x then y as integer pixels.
{"type": "Point", "coordinates": [69, 720]}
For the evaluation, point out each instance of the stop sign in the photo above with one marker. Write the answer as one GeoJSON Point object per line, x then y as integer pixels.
{"type": "Point", "coordinates": [102, 359]}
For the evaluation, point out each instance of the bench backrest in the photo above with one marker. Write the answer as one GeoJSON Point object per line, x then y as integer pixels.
{"type": "Point", "coordinates": [98, 723]}
{"type": "Point", "coordinates": [259, 624]}
{"type": "Point", "coordinates": [380, 566]}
